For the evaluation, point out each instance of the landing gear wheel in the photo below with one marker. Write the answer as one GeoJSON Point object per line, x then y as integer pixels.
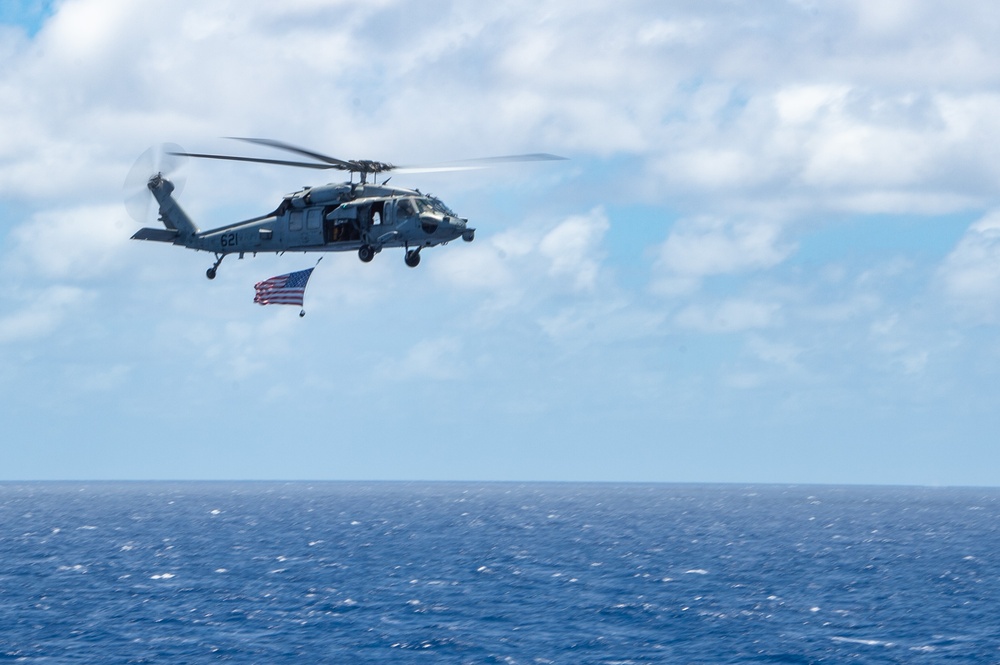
{"type": "Point", "coordinates": [366, 253]}
{"type": "Point", "coordinates": [412, 258]}
{"type": "Point", "coordinates": [210, 273]}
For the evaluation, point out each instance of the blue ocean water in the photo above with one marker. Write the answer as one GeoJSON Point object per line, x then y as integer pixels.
{"type": "Point", "coordinates": [497, 573]}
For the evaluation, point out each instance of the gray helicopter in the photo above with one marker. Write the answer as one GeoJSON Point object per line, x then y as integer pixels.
{"type": "Point", "coordinates": [349, 216]}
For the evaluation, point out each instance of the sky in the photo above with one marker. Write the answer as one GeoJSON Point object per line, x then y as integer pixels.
{"type": "Point", "coordinates": [772, 255]}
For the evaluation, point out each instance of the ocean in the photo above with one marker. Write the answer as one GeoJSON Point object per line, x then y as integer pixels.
{"type": "Point", "coordinates": [345, 572]}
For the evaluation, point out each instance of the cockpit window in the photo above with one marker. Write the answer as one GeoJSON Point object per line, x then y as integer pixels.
{"type": "Point", "coordinates": [434, 204]}
{"type": "Point", "coordinates": [406, 207]}
{"type": "Point", "coordinates": [429, 204]}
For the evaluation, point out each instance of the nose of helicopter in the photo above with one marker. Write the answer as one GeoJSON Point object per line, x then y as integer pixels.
{"type": "Point", "coordinates": [458, 228]}
{"type": "Point", "coordinates": [445, 227]}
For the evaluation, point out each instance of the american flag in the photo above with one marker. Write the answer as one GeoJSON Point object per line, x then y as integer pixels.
{"type": "Point", "coordinates": [283, 290]}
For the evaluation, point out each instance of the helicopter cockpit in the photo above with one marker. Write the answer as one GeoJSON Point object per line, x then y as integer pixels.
{"type": "Point", "coordinates": [433, 204]}
{"type": "Point", "coordinates": [407, 207]}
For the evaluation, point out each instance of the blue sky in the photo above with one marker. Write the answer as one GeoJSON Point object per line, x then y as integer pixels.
{"type": "Point", "coordinates": [773, 255]}
{"type": "Point", "coordinates": [29, 15]}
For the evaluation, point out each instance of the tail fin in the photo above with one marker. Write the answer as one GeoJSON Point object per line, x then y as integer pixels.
{"type": "Point", "coordinates": [171, 214]}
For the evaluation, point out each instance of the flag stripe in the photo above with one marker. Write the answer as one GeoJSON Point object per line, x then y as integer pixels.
{"type": "Point", "coordinates": [287, 289]}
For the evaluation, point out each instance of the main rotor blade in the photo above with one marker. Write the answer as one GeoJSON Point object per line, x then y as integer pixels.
{"type": "Point", "coordinates": [364, 165]}
{"type": "Point", "coordinates": [531, 157]}
{"type": "Point", "coordinates": [281, 145]}
{"type": "Point", "coordinates": [478, 163]}
{"type": "Point", "coordinates": [262, 160]}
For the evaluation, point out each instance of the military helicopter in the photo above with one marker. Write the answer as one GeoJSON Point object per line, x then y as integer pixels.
{"type": "Point", "coordinates": [358, 216]}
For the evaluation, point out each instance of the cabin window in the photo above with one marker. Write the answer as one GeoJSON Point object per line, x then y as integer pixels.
{"type": "Point", "coordinates": [295, 221]}
{"type": "Point", "coordinates": [314, 219]}
{"type": "Point", "coordinates": [406, 208]}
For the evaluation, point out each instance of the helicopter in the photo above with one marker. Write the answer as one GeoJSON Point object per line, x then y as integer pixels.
{"type": "Point", "coordinates": [361, 216]}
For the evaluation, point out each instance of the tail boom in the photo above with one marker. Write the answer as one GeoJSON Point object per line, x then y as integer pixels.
{"type": "Point", "coordinates": [179, 227]}
{"type": "Point", "coordinates": [171, 214]}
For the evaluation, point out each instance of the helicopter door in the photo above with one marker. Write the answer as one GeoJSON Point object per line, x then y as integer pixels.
{"type": "Point", "coordinates": [314, 219]}
{"type": "Point", "coordinates": [403, 210]}
{"type": "Point", "coordinates": [314, 225]}
{"type": "Point", "coordinates": [306, 227]}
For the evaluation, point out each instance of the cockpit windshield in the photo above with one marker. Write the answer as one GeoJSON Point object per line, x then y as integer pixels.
{"type": "Point", "coordinates": [435, 205]}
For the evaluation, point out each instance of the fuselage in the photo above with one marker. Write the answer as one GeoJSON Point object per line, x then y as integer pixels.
{"type": "Point", "coordinates": [340, 217]}
{"type": "Point", "coordinates": [330, 218]}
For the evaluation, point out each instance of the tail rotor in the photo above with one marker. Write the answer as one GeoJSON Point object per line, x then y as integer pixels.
{"type": "Point", "coordinates": [160, 160]}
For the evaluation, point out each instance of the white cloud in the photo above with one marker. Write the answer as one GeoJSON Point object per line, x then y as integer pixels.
{"type": "Point", "coordinates": [438, 359]}
{"type": "Point", "coordinates": [802, 104]}
{"type": "Point", "coordinates": [900, 346]}
{"type": "Point", "coordinates": [573, 249]}
{"type": "Point", "coordinates": [782, 354]}
{"type": "Point", "coordinates": [749, 122]}
{"type": "Point", "coordinates": [971, 272]}
{"type": "Point", "coordinates": [729, 316]}
{"type": "Point", "coordinates": [665, 32]}
{"type": "Point", "coordinates": [840, 146]}
{"type": "Point", "coordinates": [531, 262]}
{"type": "Point", "coordinates": [47, 310]}
{"type": "Point", "coordinates": [483, 266]}
{"type": "Point", "coordinates": [635, 79]}
{"type": "Point", "coordinates": [706, 246]}
{"type": "Point", "coordinates": [71, 243]}
{"type": "Point", "coordinates": [601, 321]}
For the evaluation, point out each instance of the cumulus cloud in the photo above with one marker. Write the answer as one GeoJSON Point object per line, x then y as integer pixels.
{"type": "Point", "coordinates": [705, 246]}
{"type": "Point", "coordinates": [538, 258]}
{"type": "Point", "coordinates": [840, 146]}
{"type": "Point", "coordinates": [47, 310]}
{"type": "Point", "coordinates": [843, 106]}
{"type": "Point", "coordinates": [971, 272]}
{"type": "Point", "coordinates": [572, 249]}
{"type": "Point", "coordinates": [71, 243]}
{"type": "Point", "coordinates": [749, 123]}
{"type": "Point", "coordinates": [709, 104]}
